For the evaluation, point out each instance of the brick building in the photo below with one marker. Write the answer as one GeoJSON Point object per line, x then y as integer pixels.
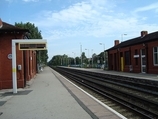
{"type": "Point", "coordinates": [138, 55]}
{"type": "Point", "coordinates": [27, 59]}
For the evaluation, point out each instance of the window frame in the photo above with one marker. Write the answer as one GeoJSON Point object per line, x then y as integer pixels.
{"type": "Point", "coordinates": [136, 59]}
{"type": "Point", "coordinates": [127, 58]}
{"type": "Point", "coordinates": [154, 63]}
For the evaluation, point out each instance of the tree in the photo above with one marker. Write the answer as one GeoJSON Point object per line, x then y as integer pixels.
{"type": "Point", "coordinates": [84, 59]}
{"type": "Point", "coordinates": [78, 60]}
{"type": "Point", "coordinates": [60, 60]}
{"type": "Point", "coordinates": [34, 34]}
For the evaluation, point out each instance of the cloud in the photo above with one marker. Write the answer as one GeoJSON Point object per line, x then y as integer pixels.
{"type": "Point", "coordinates": [153, 6]}
{"type": "Point", "coordinates": [30, 0]}
{"type": "Point", "coordinates": [94, 18]}
{"type": "Point", "coordinates": [80, 18]}
{"type": "Point", "coordinates": [9, 1]}
{"type": "Point", "coordinates": [70, 17]}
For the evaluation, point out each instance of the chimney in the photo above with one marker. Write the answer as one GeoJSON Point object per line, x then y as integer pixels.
{"type": "Point", "coordinates": [1, 24]}
{"type": "Point", "coordinates": [116, 42]}
{"type": "Point", "coordinates": [144, 33]}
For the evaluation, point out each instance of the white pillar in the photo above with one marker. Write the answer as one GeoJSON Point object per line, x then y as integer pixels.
{"type": "Point", "coordinates": [14, 77]}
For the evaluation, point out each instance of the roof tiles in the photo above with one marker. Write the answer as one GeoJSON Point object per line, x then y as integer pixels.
{"type": "Point", "coordinates": [4, 27]}
{"type": "Point", "coordinates": [147, 38]}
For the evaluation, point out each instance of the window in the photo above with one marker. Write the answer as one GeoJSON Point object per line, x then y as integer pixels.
{"type": "Point", "coordinates": [155, 55]}
{"type": "Point", "coordinates": [136, 59]}
{"type": "Point", "coordinates": [143, 51]}
{"type": "Point", "coordinates": [127, 58]}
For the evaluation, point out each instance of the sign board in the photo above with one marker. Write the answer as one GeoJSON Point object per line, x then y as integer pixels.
{"type": "Point", "coordinates": [136, 56]}
{"type": "Point", "coordinates": [32, 46]}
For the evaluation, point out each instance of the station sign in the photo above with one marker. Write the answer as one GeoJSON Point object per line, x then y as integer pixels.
{"type": "Point", "coordinates": [32, 46]}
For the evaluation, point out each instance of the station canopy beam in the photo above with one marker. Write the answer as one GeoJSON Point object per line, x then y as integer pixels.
{"type": "Point", "coordinates": [30, 44]}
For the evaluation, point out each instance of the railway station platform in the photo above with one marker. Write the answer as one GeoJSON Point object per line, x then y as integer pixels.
{"type": "Point", "coordinates": [51, 96]}
{"type": "Point", "coordinates": [125, 74]}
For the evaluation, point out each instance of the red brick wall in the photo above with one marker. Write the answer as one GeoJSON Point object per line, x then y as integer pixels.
{"type": "Point", "coordinates": [30, 64]}
{"type": "Point", "coordinates": [123, 50]}
{"type": "Point", "coordinates": [26, 63]}
{"type": "Point", "coordinates": [6, 64]}
{"type": "Point", "coordinates": [149, 57]}
{"type": "Point", "coordinates": [152, 69]}
{"type": "Point", "coordinates": [136, 68]}
{"type": "Point", "coordinates": [5, 68]}
{"type": "Point", "coordinates": [131, 49]}
{"type": "Point", "coordinates": [115, 61]}
{"type": "Point", "coordinates": [111, 59]}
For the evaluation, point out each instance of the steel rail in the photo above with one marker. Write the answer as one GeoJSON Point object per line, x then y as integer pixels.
{"type": "Point", "coordinates": [152, 89]}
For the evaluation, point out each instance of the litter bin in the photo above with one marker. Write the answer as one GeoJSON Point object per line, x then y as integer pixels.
{"type": "Point", "coordinates": [130, 68]}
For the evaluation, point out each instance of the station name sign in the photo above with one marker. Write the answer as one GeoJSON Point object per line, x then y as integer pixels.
{"type": "Point", "coordinates": [32, 46]}
{"type": "Point", "coordinates": [136, 56]}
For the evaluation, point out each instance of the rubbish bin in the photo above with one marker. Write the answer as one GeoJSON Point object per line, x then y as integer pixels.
{"type": "Point", "coordinates": [130, 68]}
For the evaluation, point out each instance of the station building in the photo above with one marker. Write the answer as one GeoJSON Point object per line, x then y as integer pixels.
{"type": "Point", "coordinates": [26, 59]}
{"type": "Point", "coordinates": [137, 55]}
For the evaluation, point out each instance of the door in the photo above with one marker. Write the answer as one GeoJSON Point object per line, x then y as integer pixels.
{"type": "Point", "coordinates": [121, 61]}
{"type": "Point", "coordinates": [115, 63]}
{"type": "Point", "coordinates": [122, 66]}
{"type": "Point", "coordinates": [143, 60]}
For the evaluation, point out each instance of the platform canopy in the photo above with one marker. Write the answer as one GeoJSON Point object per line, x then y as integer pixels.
{"type": "Point", "coordinates": [30, 44]}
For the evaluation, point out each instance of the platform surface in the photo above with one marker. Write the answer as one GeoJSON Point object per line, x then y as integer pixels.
{"type": "Point", "coordinates": [147, 76]}
{"type": "Point", "coordinates": [51, 96]}
{"type": "Point", "coordinates": [46, 98]}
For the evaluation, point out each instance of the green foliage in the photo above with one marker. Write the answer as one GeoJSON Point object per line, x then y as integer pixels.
{"type": "Point", "coordinates": [34, 33]}
{"type": "Point", "coordinates": [78, 60]}
{"type": "Point", "coordinates": [83, 55]}
{"type": "Point", "coordinates": [63, 60]}
{"type": "Point", "coordinates": [58, 60]}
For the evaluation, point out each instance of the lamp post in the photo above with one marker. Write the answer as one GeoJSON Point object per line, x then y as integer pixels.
{"type": "Point", "coordinates": [122, 36]}
{"type": "Point", "coordinates": [88, 55]}
{"type": "Point", "coordinates": [92, 58]}
{"type": "Point", "coordinates": [81, 54]}
{"type": "Point", "coordinates": [74, 58]}
{"type": "Point", "coordinates": [88, 52]}
{"type": "Point", "coordinates": [103, 51]}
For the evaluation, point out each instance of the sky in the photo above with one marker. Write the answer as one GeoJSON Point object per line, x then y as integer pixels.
{"type": "Point", "coordinates": [90, 26]}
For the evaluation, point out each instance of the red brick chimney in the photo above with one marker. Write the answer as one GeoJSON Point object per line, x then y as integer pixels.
{"type": "Point", "coordinates": [143, 33]}
{"type": "Point", "coordinates": [1, 24]}
{"type": "Point", "coordinates": [116, 42]}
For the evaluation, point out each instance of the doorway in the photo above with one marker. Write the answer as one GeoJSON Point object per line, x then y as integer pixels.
{"type": "Point", "coordinates": [143, 61]}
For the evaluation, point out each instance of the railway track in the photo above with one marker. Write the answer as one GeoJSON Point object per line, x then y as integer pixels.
{"type": "Point", "coordinates": [133, 98]}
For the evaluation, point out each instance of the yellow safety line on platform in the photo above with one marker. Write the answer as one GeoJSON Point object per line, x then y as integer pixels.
{"type": "Point", "coordinates": [13, 70]}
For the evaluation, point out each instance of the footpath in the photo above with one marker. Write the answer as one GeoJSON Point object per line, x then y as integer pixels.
{"type": "Point", "coordinates": [46, 98]}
